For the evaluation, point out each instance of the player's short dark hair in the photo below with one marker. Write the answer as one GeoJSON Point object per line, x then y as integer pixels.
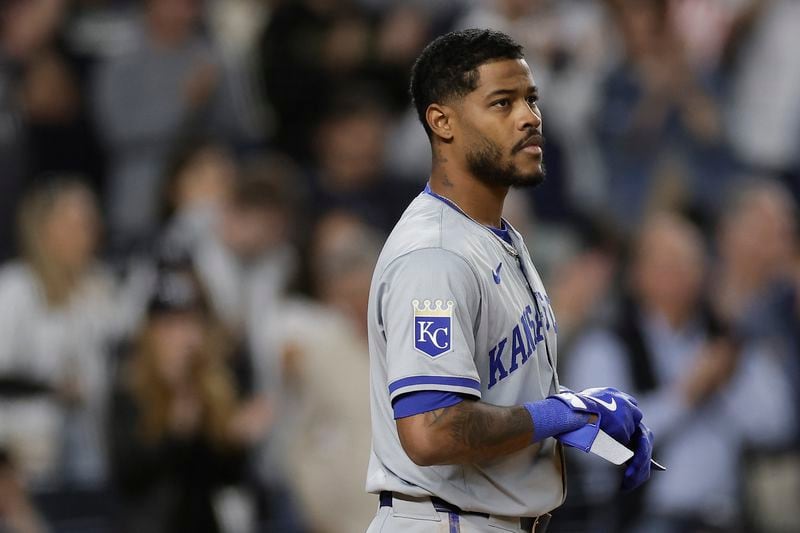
{"type": "Point", "coordinates": [447, 67]}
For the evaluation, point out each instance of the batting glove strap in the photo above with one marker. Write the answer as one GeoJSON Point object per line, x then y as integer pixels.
{"type": "Point", "coordinates": [577, 402]}
{"type": "Point", "coordinates": [581, 437]}
{"type": "Point", "coordinates": [551, 417]}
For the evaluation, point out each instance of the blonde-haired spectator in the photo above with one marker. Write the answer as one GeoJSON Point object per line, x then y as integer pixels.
{"type": "Point", "coordinates": [58, 318]}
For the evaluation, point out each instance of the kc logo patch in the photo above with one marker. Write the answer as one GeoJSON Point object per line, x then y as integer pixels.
{"type": "Point", "coordinates": [433, 326]}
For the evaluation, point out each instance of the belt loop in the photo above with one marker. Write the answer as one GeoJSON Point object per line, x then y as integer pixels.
{"type": "Point", "coordinates": [420, 508]}
{"type": "Point", "coordinates": [506, 523]}
{"type": "Point", "coordinates": [541, 523]}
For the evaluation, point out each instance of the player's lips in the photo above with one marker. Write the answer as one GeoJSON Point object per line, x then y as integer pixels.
{"type": "Point", "coordinates": [532, 145]}
{"type": "Point", "coordinates": [533, 149]}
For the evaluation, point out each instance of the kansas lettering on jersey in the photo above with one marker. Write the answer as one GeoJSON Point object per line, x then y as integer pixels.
{"type": "Point", "coordinates": [455, 308]}
{"type": "Point", "coordinates": [521, 347]}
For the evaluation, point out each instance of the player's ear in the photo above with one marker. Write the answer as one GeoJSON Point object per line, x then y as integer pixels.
{"type": "Point", "coordinates": [439, 120]}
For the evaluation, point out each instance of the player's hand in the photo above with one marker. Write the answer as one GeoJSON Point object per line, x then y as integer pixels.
{"type": "Point", "coordinates": [638, 467]}
{"type": "Point", "coordinates": [617, 413]}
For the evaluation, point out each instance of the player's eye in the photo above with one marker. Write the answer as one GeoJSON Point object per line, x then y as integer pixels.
{"type": "Point", "coordinates": [532, 99]}
{"type": "Point", "coordinates": [501, 103]}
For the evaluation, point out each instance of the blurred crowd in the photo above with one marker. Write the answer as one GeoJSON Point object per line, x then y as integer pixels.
{"type": "Point", "coordinates": [193, 194]}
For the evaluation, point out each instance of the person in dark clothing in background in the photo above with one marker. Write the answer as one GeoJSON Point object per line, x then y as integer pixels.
{"type": "Point", "coordinates": [350, 172]}
{"type": "Point", "coordinates": [174, 434]}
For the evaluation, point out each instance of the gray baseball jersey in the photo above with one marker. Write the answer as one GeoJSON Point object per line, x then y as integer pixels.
{"type": "Point", "coordinates": [454, 307]}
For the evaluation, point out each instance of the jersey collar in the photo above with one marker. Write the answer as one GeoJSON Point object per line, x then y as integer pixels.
{"type": "Point", "coordinates": [502, 234]}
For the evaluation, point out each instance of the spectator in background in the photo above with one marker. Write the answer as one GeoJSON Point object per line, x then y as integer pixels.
{"type": "Point", "coordinates": [199, 179]}
{"type": "Point", "coordinates": [658, 123]}
{"type": "Point", "coordinates": [308, 47]}
{"type": "Point", "coordinates": [238, 233]}
{"type": "Point", "coordinates": [343, 254]}
{"type": "Point", "coordinates": [237, 225]}
{"type": "Point", "coordinates": [582, 287]}
{"type": "Point", "coordinates": [179, 433]}
{"type": "Point", "coordinates": [764, 84]}
{"type": "Point", "coordinates": [402, 31]}
{"type": "Point", "coordinates": [170, 82]}
{"type": "Point", "coordinates": [757, 241]}
{"type": "Point", "coordinates": [59, 314]}
{"type": "Point", "coordinates": [247, 259]}
{"type": "Point", "coordinates": [755, 288]}
{"type": "Point", "coordinates": [325, 430]}
{"type": "Point", "coordinates": [60, 135]}
{"type": "Point", "coordinates": [707, 394]}
{"type": "Point", "coordinates": [43, 124]}
{"type": "Point", "coordinates": [400, 36]}
{"type": "Point", "coordinates": [351, 173]}
{"type": "Point", "coordinates": [12, 164]}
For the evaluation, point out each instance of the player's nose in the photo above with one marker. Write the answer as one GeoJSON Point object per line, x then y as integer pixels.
{"type": "Point", "coordinates": [529, 117]}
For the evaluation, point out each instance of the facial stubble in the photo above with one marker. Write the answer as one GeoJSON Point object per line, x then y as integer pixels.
{"type": "Point", "coordinates": [486, 163]}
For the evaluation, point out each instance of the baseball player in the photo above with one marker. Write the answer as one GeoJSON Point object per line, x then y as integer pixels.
{"type": "Point", "coordinates": [467, 414]}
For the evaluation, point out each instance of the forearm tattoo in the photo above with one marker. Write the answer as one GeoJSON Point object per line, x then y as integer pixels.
{"type": "Point", "coordinates": [474, 428]}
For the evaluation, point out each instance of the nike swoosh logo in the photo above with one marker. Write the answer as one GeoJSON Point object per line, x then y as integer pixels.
{"type": "Point", "coordinates": [611, 406]}
{"type": "Point", "coordinates": [496, 273]}
{"type": "Point", "coordinates": [576, 402]}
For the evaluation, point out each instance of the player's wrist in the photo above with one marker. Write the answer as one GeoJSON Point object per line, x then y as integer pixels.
{"type": "Point", "coordinates": [551, 417]}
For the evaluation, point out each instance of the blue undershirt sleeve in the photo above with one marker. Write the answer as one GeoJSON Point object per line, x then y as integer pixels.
{"type": "Point", "coordinates": [414, 403]}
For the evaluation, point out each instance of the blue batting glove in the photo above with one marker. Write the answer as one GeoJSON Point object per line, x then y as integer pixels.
{"type": "Point", "coordinates": [638, 469]}
{"type": "Point", "coordinates": [617, 415]}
